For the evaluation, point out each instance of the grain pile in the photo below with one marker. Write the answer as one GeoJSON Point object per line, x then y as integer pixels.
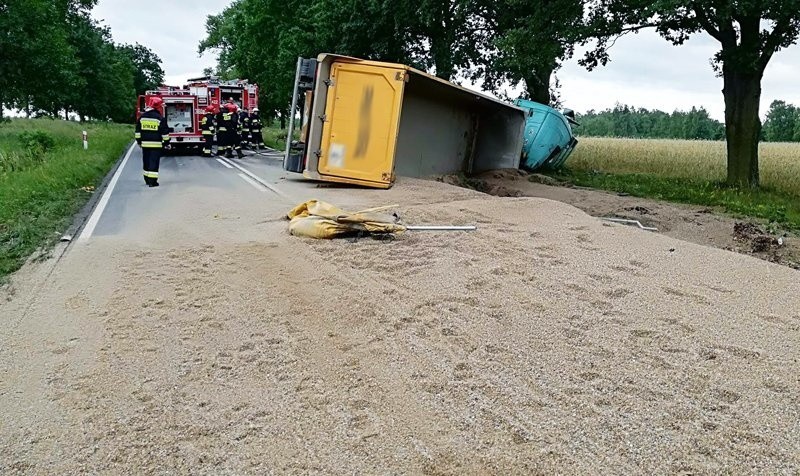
{"type": "Point", "coordinates": [545, 342]}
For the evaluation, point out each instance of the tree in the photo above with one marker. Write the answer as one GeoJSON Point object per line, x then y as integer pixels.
{"type": "Point", "coordinates": [528, 40]}
{"type": "Point", "coordinates": [105, 86]}
{"type": "Point", "coordinates": [749, 34]}
{"type": "Point", "coordinates": [36, 60]}
{"type": "Point", "coordinates": [781, 122]}
{"type": "Point", "coordinates": [148, 74]}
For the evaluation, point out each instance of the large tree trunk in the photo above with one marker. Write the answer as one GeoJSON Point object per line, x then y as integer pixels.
{"type": "Point", "coordinates": [537, 83]}
{"type": "Point", "coordinates": [742, 93]}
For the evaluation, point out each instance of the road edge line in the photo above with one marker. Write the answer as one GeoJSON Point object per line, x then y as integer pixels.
{"type": "Point", "coordinates": [91, 223]}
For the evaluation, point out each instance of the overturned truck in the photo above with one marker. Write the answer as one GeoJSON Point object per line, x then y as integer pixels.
{"type": "Point", "coordinates": [367, 122]}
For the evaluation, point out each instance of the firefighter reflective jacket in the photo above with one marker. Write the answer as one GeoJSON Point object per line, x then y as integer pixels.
{"type": "Point", "coordinates": [255, 123]}
{"type": "Point", "coordinates": [227, 122]}
{"type": "Point", "coordinates": [207, 124]}
{"type": "Point", "coordinates": [152, 131]}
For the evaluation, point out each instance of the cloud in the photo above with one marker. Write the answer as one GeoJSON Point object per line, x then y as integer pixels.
{"type": "Point", "coordinates": [172, 29]}
{"type": "Point", "coordinates": [647, 71]}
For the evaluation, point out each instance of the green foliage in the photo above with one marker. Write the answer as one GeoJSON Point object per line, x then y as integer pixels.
{"type": "Point", "coordinates": [55, 59]}
{"type": "Point", "coordinates": [782, 122]}
{"type": "Point", "coordinates": [625, 121]}
{"type": "Point", "coordinates": [147, 71]}
{"type": "Point", "coordinates": [37, 142]}
{"type": "Point", "coordinates": [40, 198]}
{"type": "Point", "coordinates": [528, 41]}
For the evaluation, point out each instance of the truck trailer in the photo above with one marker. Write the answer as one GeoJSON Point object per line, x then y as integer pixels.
{"type": "Point", "coordinates": [367, 122]}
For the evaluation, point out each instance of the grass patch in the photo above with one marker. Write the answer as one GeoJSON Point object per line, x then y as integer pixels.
{"type": "Point", "coordinates": [777, 206]}
{"type": "Point", "coordinates": [274, 137]}
{"type": "Point", "coordinates": [689, 171]}
{"type": "Point", "coordinates": [46, 177]}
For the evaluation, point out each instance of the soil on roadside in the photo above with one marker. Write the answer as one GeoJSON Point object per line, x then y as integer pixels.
{"type": "Point", "coordinates": [703, 225]}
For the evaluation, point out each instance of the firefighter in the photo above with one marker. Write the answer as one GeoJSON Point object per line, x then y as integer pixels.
{"type": "Point", "coordinates": [244, 128]}
{"type": "Point", "coordinates": [152, 135]}
{"type": "Point", "coordinates": [207, 128]}
{"type": "Point", "coordinates": [223, 137]}
{"type": "Point", "coordinates": [235, 132]}
{"type": "Point", "coordinates": [228, 123]}
{"type": "Point", "coordinates": [255, 130]}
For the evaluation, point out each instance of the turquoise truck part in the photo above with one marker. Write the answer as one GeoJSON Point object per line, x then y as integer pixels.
{"type": "Point", "coordinates": [548, 140]}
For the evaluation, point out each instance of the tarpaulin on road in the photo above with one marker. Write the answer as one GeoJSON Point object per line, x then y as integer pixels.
{"type": "Point", "coordinates": [318, 219]}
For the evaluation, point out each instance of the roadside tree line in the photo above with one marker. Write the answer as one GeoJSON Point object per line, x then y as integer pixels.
{"type": "Point", "coordinates": [782, 124]}
{"type": "Point", "coordinates": [56, 60]}
{"type": "Point", "coordinates": [627, 121]}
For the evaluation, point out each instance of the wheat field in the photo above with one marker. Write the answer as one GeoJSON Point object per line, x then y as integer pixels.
{"type": "Point", "coordinates": [703, 160]}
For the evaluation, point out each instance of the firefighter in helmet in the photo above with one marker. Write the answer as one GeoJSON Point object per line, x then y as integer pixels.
{"type": "Point", "coordinates": [207, 128]}
{"type": "Point", "coordinates": [244, 127]}
{"type": "Point", "coordinates": [228, 122]}
{"type": "Point", "coordinates": [255, 130]}
{"type": "Point", "coordinates": [236, 131]}
{"type": "Point", "coordinates": [223, 135]}
{"type": "Point", "coordinates": [152, 135]}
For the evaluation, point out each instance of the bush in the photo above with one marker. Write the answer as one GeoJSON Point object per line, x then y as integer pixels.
{"type": "Point", "coordinates": [37, 142]}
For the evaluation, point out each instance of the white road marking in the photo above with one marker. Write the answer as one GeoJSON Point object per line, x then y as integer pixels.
{"type": "Point", "coordinates": [256, 178]}
{"type": "Point", "coordinates": [224, 163]}
{"type": "Point", "coordinates": [252, 182]}
{"type": "Point", "coordinates": [88, 229]}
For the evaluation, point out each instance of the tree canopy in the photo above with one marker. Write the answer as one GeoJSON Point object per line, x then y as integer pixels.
{"type": "Point", "coordinates": [54, 58]}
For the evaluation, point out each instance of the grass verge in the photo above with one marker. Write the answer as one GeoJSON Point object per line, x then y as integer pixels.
{"type": "Point", "coordinates": [773, 205]}
{"type": "Point", "coordinates": [45, 178]}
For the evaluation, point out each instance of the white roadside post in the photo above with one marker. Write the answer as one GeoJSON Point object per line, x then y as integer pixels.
{"type": "Point", "coordinates": [85, 140]}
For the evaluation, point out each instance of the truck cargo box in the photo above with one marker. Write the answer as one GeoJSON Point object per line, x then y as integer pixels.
{"type": "Point", "coordinates": [370, 121]}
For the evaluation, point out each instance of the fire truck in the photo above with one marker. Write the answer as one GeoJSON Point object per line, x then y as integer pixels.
{"type": "Point", "coordinates": [185, 106]}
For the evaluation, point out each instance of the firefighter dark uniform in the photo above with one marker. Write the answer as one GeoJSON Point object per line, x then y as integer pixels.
{"type": "Point", "coordinates": [207, 129]}
{"type": "Point", "coordinates": [234, 131]}
{"type": "Point", "coordinates": [256, 140]}
{"type": "Point", "coordinates": [226, 131]}
{"type": "Point", "coordinates": [222, 133]}
{"type": "Point", "coordinates": [244, 127]}
{"type": "Point", "coordinates": [152, 134]}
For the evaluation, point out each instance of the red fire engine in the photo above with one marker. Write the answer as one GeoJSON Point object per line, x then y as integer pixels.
{"type": "Point", "coordinates": [184, 107]}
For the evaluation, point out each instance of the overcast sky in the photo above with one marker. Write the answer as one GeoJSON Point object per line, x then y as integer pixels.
{"type": "Point", "coordinates": [645, 71]}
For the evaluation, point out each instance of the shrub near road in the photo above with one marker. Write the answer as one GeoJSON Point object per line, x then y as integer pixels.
{"type": "Point", "coordinates": [690, 172]}
{"type": "Point", "coordinates": [45, 177]}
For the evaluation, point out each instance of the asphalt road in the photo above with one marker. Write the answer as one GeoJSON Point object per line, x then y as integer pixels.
{"type": "Point", "coordinates": [191, 190]}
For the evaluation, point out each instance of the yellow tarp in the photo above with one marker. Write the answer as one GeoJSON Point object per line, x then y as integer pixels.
{"type": "Point", "coordinates": [318, 219]}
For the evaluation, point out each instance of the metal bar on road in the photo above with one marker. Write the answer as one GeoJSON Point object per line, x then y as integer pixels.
{"type": "Point", "coordinates": [632, 222]}
{"type": "Point", "coordinates": [442, 228]}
